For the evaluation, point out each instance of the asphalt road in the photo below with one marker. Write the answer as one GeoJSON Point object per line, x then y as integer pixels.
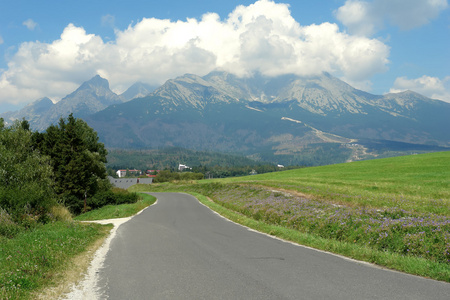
{"type": "Point", "coordinates": [180, 249]}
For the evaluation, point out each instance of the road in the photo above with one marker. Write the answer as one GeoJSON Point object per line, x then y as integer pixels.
{"type": "Point", "coordinates": [180, 249]}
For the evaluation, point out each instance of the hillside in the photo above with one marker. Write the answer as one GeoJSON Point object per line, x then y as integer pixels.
{"type": "Point", "coordinates": [418, 182]}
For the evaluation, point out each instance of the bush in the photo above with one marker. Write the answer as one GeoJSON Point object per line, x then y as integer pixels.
{"type": "Point", "coordinates": [8, 228]}
{"type": "Point", "coordinates": [60, 213]}
{"type": "Point", "coordinates": [73, 204]}
{"type": "Point", "coordinates": [26, 177]}
{"type": "Point", "coordinates": [167, 176]}
{"type": "Point", "coordinates": [113, 197]}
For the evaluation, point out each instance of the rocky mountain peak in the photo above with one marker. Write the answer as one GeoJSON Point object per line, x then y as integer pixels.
{"type": "Point", "coordinates": [95, 82]}
{"type": "Point", "coordinates": [138, 90]}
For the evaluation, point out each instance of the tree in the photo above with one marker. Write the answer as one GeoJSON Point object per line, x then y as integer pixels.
{"type": "Point", "coordinates": [77, 157]}
{"type": "Point", "coordinates": [26, 177]}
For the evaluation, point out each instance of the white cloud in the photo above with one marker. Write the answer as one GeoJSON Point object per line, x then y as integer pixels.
{"type": "Point", "coordinates": [108, 21]}
{"type": "Point", "coordinates": [367, 17]}
{"type": "Point", "coordinates": [30, 24]}
{"type": "Point", "coordinates": [261, 37]}
{"type": "Point", "coordinates": [431, 87]}
{"type": "Point", "coordinates": [1, 40]}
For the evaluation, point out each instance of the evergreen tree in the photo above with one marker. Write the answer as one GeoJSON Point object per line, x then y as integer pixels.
{"type": "Point", "coordinates": [78, 159]}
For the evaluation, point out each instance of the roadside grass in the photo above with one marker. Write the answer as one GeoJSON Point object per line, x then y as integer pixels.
{"type": "Point", "coordinates": [118, 211]}
{"type": "Point", "coordinates": [37, 259]}
{"type": "Point", "coordinates": [35, 262]}
{"type": "Point", "coordinates": [391, 225]}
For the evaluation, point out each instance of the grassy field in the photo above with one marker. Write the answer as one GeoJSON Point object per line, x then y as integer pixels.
{"type": "Point", "coordinates": [396, 209]}
{"type": "Point", "coordinates": [419, 182]}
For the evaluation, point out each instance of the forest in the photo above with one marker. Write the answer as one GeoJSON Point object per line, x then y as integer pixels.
{"type": "Point", "coordinates": [211, 164]}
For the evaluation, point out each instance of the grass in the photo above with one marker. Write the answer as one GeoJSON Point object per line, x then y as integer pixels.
{"type": "Point", "coordinates": [118, 211]}
{"type": "Point", "coordinates": [36, 259]}
{"type": "Point", "coordinates": [393, 212]}
{"type": "Point", "coordinates": [419, 182]}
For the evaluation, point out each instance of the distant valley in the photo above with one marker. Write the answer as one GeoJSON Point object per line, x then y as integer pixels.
{"type": "Point", "coordinates": [287, 119]}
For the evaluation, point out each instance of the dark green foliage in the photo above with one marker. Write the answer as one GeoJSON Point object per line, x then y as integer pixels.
{"type": "Point", "coordinates": [211, 164]}
{"type": "Point", "coordinates": [8, 228]}
{"type": "Point", "coordinates": [77, 158]}
{"type": "Point", "coordinates": [169, 158]}
{"type": "Point", "coordinates": [114, 196]}
{"type": "Point", "coordinates": [26, 177]}
{"type": "Point", "coordinates": [109, 197]}
{"type": "Point", "coordinates": [168, 176]}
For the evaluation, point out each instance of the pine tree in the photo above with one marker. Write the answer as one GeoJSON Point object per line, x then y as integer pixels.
{"type": "Point", "coordinates": [78, 159]}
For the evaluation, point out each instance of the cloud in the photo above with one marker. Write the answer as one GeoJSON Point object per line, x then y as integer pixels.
{"type": "Point", "coordinates": [1, 40]}
{"type": "Point", "coordinates": [108, 21]}
{"type": "Point", "coordinates": [431, 87]}
{"type": "Point", "coordinates": [30, 24]}
{"type": "Point", "coordinates": [367, 17]}
{"type": "Point", "coordinates": [262, 37]}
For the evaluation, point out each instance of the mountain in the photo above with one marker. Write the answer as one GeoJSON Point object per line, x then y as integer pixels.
{"type": "Point", "coordinates": [273, 117]}
{"type": "Point", "coordinates": [138, 90]}
{"type": "Point", "coordinates": [92, 96]}
{"type": "Point", "coordinates": [33, 112]}
{"type": "Point", "coordinates": [286, 119]}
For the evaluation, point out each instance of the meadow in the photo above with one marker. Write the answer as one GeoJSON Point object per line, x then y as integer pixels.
{"type": "Point", "coordinates": [397, 207]}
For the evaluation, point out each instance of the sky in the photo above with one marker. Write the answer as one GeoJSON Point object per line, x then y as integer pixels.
{"type": "Point", "coordinates": [49, 47]}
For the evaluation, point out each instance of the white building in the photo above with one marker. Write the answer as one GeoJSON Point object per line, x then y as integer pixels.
{"type": "Point", "coordinates": [183, 167]}
{"type": "Point", "coordinates": [121, 173]}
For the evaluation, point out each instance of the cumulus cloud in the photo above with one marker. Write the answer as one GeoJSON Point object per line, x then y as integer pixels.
{"type": "Point", "coordinates": [30, 24]}
{"type": "Point", "coordinates": [431, 87]}
{"type": "Point", "coordinates": [262, 37]}
{"type": "Point", "coordinates": [367, 17]}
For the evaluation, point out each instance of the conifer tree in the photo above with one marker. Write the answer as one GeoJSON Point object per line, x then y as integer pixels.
{"type": "Point", "coordinates": [78, 158]}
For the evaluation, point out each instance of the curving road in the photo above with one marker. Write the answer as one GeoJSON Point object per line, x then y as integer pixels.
{"type": "Point", "coordinates": [180, 249]}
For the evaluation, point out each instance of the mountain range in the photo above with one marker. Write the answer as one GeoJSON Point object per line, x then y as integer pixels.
{"type": "Point", "coordinates": [279, 119]}
{"type": "Point", "coordinates": [91, 97]}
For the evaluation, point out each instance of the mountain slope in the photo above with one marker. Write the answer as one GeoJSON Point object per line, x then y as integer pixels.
{"type": "Point", "coordinates": [137, 90]}
{"type": "Point", "coordinates": [33, 112]}
{"type": "Point", "coordinates": [92, 96]}
{"type": "Point", "coordinates": [272, 117]}
{"type": "Point", "coordinates": [259, 116]}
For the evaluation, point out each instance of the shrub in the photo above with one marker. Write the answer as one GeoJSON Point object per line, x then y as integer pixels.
{"type": "Point", "coordinates": [8, 228]}
{"type": "Point", "coordinates": [113, 197]}
{"type": "Point", "coordinates": [26, 178]}
{"type": "Point", "coordinates": [60, 213]}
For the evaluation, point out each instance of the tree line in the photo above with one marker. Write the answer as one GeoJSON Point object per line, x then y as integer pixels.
{"type": "Point", "coordinates": [65, 165]}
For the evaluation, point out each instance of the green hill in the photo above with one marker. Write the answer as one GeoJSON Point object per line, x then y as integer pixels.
{"type": "Point", "coordinates": [417, 182]}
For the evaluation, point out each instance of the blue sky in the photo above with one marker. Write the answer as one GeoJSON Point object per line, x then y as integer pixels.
{"type": "Point", "coordinates": [48, 48]}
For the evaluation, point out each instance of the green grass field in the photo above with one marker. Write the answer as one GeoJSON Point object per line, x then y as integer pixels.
{"type": "Point", "coordinates": [418, 182]}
